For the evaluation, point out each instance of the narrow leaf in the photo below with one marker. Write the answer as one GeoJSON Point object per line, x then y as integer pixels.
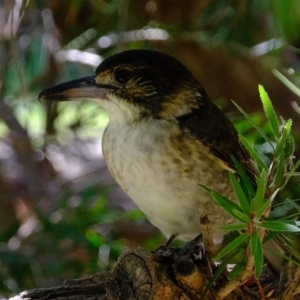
{"type": "Point", "coordinates": [253, 153]}
{"type": "Point", "coordinates": [290, 145]}
{"type": "Point", "coordinates": [290, 174]}
{"type": "Point", "coordinates": [244, 177]}
{"type": "Point", "coordinates": [233, 227]}
{"type": "Point", "coordinates": [283, 138]}
{"type": "Point", "coordinates": [253, 242]}
{"type": "Point", "coordinates": [241, 215]}
{"type": "Point", "coordinates": [261, 190]}
{"type": "Point", "coordinates": [278, 178]}
{"type": "Point", "coordinates": [233, 245]}
{"type": "Point", "coordinates": [232, 208]}
{"type": "Point", "coordinates": [295, 167]}
{"type": "Point", "coordinates": [244, 202]}
{"type": "Point", "coordinates": [266, 204]}
{"type": "Point", "coordinates": [227, 204]}
{"type": "Point", "coordinates": [279, 226]}
{"type": "Point", "coordinates": [256, 249]}
{"type": "Point", "coordinates": [287, 82]}
{"type": "Point", "coordinates": [259, 130]}
{"type": "Point", "coordinates": [271, 235]}
{"type": "Point", "coordinates": [269, 110]}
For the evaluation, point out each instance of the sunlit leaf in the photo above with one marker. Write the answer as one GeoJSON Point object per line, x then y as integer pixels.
{"type": "Point", "coordinates": [269, 110]}
{"type": "Point", "coordinates": [279, 226]}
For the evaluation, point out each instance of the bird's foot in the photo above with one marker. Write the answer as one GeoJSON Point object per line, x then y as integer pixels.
{"type": "Point", "coordinates": [191, 249]}
{"type": "Point", "coordinates": [166, 250]}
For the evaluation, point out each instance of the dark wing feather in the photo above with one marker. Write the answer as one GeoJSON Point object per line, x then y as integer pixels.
{"type": "Point", "coordinates": [209, 124]}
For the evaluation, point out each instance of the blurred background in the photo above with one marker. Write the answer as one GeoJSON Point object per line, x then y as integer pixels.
{"type": "Point", "coordinates": [61, 214]}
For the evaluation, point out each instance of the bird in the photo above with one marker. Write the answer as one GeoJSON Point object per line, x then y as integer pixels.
{"type": "Point", "coordinates": [165, 138]}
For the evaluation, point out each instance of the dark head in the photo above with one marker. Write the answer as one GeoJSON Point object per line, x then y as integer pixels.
{"type": "Point", "coordinates": [135, 84]}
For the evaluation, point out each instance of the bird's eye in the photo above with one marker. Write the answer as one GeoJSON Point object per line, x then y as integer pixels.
{"type": "Point", "coordinates": [123, 76]}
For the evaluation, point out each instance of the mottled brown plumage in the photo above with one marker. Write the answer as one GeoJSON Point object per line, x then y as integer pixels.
{"type": "Point", "coordinates": [164, 137]}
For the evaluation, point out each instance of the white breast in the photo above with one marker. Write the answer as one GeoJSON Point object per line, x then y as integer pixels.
{"type": "Point", "coordinates": [160, 171]}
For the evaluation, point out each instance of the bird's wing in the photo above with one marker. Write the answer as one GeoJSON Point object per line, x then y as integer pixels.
{"type": "Point", "coordinates": [210, 126]}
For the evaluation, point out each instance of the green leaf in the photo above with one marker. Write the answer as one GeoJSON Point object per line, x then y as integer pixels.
{"type": "Point", "coordinates": [237, 270]}
{"type": "Point", "coordinates": [258, 129]}
{"type": "Point", "coordinates": [241, 216]}
{"type": "Point", "coordinates": [256, 249]}
{"type": "Point", "coordinates": [227, 204]}
{"type": "Point", "coordinates": [279, 226]}
{"type": "Point", "coordinates": [287, 82]}
{"type": "Point", "coordinates": [233, 227]}
{"type": "Point", "coordinates": [271, 235]}
{"type": "Point", "coordinates": [291, 174]}
{"type": "Point", "coordinates": [269, 110]}
{"type": "Point", "coordinates": [295, 167]}
{"type": "Point", "coordinates": [266, 204]}
{"type": "Point", "coordinates": [244, 202]}
{"type": "Point", "coordinates": [290, 144]}
{"type": "Point", "coordinates": [258, 200]}
{"type": "Point", "coordinates": [233, 245]}
{"type": "Point", "coordinates": [245, 180]}
{"type": "Point", "coordinates": [254, 239]}
{"type": "Point", "coordinates": [278, 178]}
{"type": "Point", "coordinates": [283, 138]}
{"type": "Point", "coordinates": [251, 149]}
{"type": "Point", "coordinates": [232, 208]}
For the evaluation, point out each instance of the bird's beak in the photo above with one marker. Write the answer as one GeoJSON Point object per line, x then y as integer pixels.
{"type": "Point", "coordinates": [81, 88]}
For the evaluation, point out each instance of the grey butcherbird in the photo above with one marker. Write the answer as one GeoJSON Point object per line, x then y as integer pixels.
{"type": "Point", "coordinates": [164, 137]}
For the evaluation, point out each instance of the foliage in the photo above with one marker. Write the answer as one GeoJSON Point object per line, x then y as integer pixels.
{"type": "Point", "coordinates": [252, 211]}
{"type": "Point", "coordinates": [60, 213]}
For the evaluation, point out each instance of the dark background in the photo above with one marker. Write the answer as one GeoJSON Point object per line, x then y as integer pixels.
{"type": "Point", "coordinates": [61, 214]}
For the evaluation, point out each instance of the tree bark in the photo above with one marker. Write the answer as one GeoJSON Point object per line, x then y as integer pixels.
{"type": "Point", "coordinates": [142, 275]}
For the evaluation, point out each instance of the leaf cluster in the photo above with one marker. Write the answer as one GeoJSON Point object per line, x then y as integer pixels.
{"type": "Point", "coordinates": [255, 203]}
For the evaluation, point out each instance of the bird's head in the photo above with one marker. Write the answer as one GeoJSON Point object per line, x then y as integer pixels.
{"type": "Point", "coordinates": [134, 85]}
